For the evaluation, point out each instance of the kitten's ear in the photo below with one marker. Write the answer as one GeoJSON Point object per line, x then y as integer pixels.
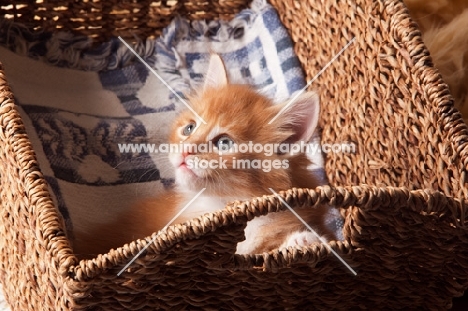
{"type": "Point", "coordinates": [301, 116]}
{"type": "Point", "coordinates": [216, 75]}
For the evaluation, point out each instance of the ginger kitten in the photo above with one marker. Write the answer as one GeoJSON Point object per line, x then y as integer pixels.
{"type": "Point", "coordinates": [236, 116]}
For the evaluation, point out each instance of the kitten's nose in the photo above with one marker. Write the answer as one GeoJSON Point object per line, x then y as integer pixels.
{"type": "Point", "coordinates": [185, 154]}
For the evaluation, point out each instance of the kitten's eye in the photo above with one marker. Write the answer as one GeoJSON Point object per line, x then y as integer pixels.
{"type": "Point", "coordinates": [281, 149]}
{"type": "Point", "coordinates": [189, 129]}
{"type": "Point", "coordinates": [223, 143]}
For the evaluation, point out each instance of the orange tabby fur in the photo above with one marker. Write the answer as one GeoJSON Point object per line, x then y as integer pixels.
{"type": "Point", "coordinates": [243, 115]}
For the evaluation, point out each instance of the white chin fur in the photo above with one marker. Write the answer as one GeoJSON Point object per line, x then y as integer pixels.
{"type": "Point", "coordinates": [176, 159]}
{"type": "Point", "coordinates": [186, 179]}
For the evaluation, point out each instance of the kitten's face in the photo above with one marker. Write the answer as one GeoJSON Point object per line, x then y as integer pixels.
{"type": "Point", "coordinates": [237, 120]}
{"type": "Point", "coordinates": [236, 116]}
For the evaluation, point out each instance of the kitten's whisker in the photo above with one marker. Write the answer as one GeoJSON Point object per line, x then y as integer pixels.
{"type": "Point", "coordinates": [152, 171]}
{"type": "Point", "coordinates": [324, 242]}
{"type": "Point", "coordinates": [156, 156]}
{"type": "Point", "coordinates": [121, 162]}
{"type": "Point", "coordinates": [159, 156]}
{"type": "Point", "coordinates": [166, 171]}
{"type": "Point", "coordinates": [224, 185]}
{"type": "Point", "coordinates": [221, 184]}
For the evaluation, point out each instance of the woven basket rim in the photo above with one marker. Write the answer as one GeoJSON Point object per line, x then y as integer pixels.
{"type": "Point", "coordinates": [365, 197]}
{"type": "Point", "coordinates": [49, 220]}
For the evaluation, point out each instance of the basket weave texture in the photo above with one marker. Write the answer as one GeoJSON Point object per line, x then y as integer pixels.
{"type": "Point", "coordinates": [409, 246]}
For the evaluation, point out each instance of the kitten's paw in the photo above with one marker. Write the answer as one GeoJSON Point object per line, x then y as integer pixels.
{"type": "Point", "coordinates": [300, 238]}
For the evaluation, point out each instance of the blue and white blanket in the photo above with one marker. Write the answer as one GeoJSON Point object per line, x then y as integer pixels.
{"type": "Point", "coordinates": [80, 102]}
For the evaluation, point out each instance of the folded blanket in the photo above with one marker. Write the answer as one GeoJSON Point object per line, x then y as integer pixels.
{"type": "Point", "coordinates": [92, 99]}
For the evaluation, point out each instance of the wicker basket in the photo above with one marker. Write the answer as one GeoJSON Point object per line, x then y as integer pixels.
{"type": "Point", "coordinates": [409, 246]}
